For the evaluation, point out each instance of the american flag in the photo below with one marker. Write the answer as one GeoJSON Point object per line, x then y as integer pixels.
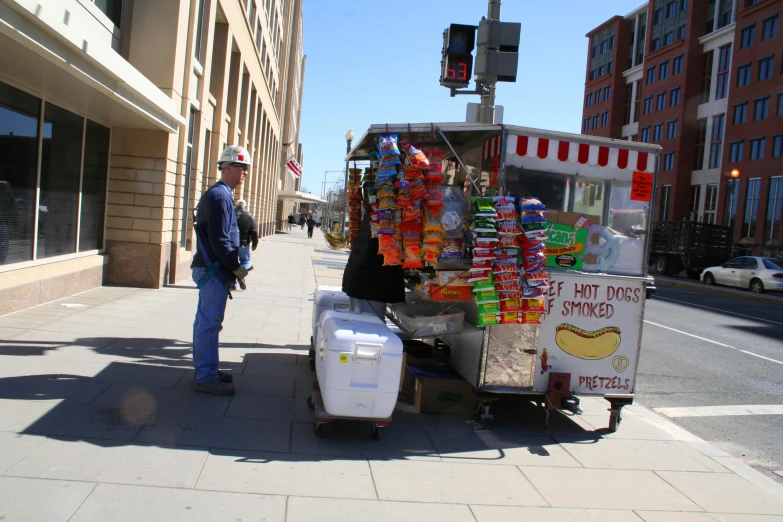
{"type": "Point", "coordinates": [294, 167]}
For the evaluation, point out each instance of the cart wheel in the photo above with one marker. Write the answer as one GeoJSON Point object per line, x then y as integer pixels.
{"type": "Point", "coordinates": [319, 429]}
{"type": "Point", "coordinates": [614, 420]}
{"type": "Point", "coordinates": [310, 403]}
{"type": "Point", "coordinates": [375, 432]}
{"type": "Point", "coordinates": [312, 364]}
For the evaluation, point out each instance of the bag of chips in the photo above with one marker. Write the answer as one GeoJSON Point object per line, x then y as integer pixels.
{"type": "Point", "coordinates": [505, 208]}
{"type": "Point", "coordinates": [509, 318]}
{"type": "Point", "coordinates": [435, 159]}
{"type": "Point", "coordinates": [452, 250]}
{"type": "Point", "coordinates": [412, 172]}
{"type": "Point", "coordinates": [529, 218]}
{"type": "Point", "coordinates": [488, 308]}
{"type": "Point", "coordinates": [530, 318]}
{"type": "Point", "coordinates": [530, 205]}
{"type": "Point", "coordinates": [392, 258]}
{"type": "Point", "coordinates": [412, 255]}
{"type": "Point", "coordinates": [510, 305]}
{"type": "Point", "coordinates": [412, 214]}
{"type": "Point", "coordinates": [485, 296]}
{"type": "Point", "coordinates": [418, 190]}
{"type": "Point", "coordinates": [415, 156]}
{"type": "Point", "coordinates": [534, 305]}
{"type": "Point", "coordinates": [487, 320]}
{"type": "Point", "coordinates": [387, 144]}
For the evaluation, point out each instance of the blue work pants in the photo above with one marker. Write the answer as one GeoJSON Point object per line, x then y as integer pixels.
{"type": "Point", "coordinates": [244, 256]}
{"type": "Point", "coordinates": [212, 299]}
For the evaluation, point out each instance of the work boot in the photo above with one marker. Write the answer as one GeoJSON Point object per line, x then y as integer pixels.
{"type": "Point", "coordinates": [242, 284]}
{"type": "Point", "coordinates": [222, 376]}
{"type": "Point", "coordinates": [216, 387]}
{"type": "Point", "coordinates": [233, 288]}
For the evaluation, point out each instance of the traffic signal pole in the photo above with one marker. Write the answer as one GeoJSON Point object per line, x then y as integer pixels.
{"type": "Point", "coordinates": [487, 109]}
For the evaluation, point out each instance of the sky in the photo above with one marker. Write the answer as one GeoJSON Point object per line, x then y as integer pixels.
{"type": "Point", "coordinates": [375, 61]}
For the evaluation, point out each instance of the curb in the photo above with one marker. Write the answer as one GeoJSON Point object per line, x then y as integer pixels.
{"type": "Point", "coordinates": [733, 464]}
{"type": "Point", "coordinates": [716, 290]}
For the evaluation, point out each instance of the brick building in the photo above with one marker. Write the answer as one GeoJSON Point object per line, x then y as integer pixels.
{"type": "Point", "coordinates": [112, 115]}
{"type": "Point", "coordinates": [704, 79]}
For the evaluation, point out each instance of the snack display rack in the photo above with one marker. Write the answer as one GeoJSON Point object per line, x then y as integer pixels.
{"type": "Point", "coordinates": [525, 252]}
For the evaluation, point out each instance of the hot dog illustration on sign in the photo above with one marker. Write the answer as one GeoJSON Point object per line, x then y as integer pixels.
{"type": "Point", "coordinates": [589, 345]}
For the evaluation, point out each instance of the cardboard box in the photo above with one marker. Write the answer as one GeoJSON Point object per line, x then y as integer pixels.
{"type": "Point", "coordinates": [450, 293]}
{"type": "Point", "coordinates": [441, 390]}
{"type": "Point", "coordinates": [453, 278]}
{"type": "Point", "coordinates": [407, 379]}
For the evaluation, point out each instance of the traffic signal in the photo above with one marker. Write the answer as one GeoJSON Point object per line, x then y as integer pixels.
{"type": "Point", "coordinates": [498, 51]}
{"type": "Point", "coordinates": [457, 63]}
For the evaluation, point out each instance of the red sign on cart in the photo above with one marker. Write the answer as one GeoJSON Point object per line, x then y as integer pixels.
{"type": "Point", "coordinates": [641, 186]}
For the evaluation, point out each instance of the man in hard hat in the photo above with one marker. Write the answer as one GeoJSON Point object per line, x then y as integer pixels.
{"type": "Point", "coordinates": [248, 237]}
{"type": "Point", "coordinates": [216, 268]}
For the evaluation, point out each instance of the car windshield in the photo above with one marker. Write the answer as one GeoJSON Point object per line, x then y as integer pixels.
{"type": "Point", "coordinates": [773, 264]}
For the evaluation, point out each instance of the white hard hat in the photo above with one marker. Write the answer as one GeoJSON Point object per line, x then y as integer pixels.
{"type": "Point", "coordinates": [241, 203]}
{"type": "Point", "coordinates": [235, 154]}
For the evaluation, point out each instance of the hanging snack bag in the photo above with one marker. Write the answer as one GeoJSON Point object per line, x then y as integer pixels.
{"type": "Point", "coordinates": [510, 305]}
{"type": "Point", "coordinates": [387, 243]}
{"type": "Point", "coordinates": [392, 258]}
{"type": "Point", "coordinates": [488, 308]}
{"type": "Point", "coordinates": [505, 208]}
{"type": "Point", "coordinates": [509, 318]}
{"type": "Point", "coordinates": [485, 296]}
{"type": "Point", "coordinates": [412, 255]}
{"type": "Point", "coordinates": [534, 305]}
{"type": "Point", "coordinates": [483, 285]}
{"type": "Point", "coordinates": [530, 205]}
{"type": "Point", "coordinates": [411, 172]}
{"type": "Point", "coordinates": [387, 144]}
{"type": "Point", "coordinates": [412, 214]}
{"type": "Point", "coordinates": [529, 218]}
{"type": "Point", "coordinates": [415, 156]}
{"type": "Point", "coordinates": [530, 318]}
{"type": "Point", "coordinates": [487, 320]}
{"type": "Point", "coordinates": [482, 207]}
{"type": "Point", "coordinates": [434, 193]}
{"type": "Point", "coordinates": [435, 159]}
{"type": "Point", "coordinates": [452, 250]}
{"type": "Point", "coordinates": [418, 190]}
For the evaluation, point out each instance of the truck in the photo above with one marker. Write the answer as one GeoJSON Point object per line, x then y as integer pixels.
{"type": "Point", "coordinates": [688, 245]}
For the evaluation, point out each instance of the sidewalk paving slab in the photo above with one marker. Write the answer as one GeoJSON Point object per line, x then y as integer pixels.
{"type": "Point", "coordinates": [103, 394]}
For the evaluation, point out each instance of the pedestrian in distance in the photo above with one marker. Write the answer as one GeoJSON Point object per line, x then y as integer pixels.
{"type": "Point", "coordinates": [310, 226]}
{"type": "Point", "coordinates": [248, 237]}
{"type": "Point", "coordinates": [291, 221]}
{"type": "Point", "coordinates": [216, 268]}
{"type": "Point", "coordinates": [302, 221]}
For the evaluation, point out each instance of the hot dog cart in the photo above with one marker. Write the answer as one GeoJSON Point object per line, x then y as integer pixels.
{"type": "Point", "coordinates": [599, 196]}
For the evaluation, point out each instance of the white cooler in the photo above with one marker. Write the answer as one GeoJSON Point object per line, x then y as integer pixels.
{"type": "Point", "coordinates": [358, 362]}
{"type": "Point", "coordinates": [327, 298]}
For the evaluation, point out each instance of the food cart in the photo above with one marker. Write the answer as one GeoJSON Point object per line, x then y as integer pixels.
{"type": "Point", "coordinates": [598, 195]}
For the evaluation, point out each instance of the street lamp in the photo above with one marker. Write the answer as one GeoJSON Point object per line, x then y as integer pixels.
{"type": "Point", "coordinates": [734, 174]}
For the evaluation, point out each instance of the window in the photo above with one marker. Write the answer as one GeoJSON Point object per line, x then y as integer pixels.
{"type": "Point", "coordinates": [716, 145]}
{"type": "Point", "coordinates": [730, 210]}
{"type": "Point", "coordinates": [671, 129]}
{"type": "Point", "coordinates": [603, 47]}
{"type": "Point", "coordinates": [650, 75]}
{"type": "Point", "coordinates": [668, 161]}
{"type": "Point", "coordinates": [628, 102]}
{"type": "Point", "coordinates": [586, 125]}
{"type": "Point", "coordinates": [701, 139]}
{"type": "Point", "coordinates": [258, 35]}
{"type": "Point", "coordinates": [646, 135]}
{"type": "Point", "coordinates": [663, 70]}
{"type": "Point", "coordinates": [695, 196]}
{"type": "Point", "coordinates": [735, 151]}
{"type": "Point", "coordinates": [607, 92]}
{"type": "Point", "coordinates": [674, 98]}
{"type": "Point", "coordinates": [112, 9]}
{"type": "Point", "coordinates": [668, 39]}
{"type": "Point", "coordinates": [765, 67]}
{"type": "Point", "coordinates": [769, 27]}
{"type": "Point", "coordinates": [666, 191]}
{"type": "Point", "coordinates": [597, 97]}
{"type": "Point", "coordinates": [747, 35]}
{"type": "Point", "coordinates": [638, 100]}
{"type": "Point", "coordinates": [749, 3]}
{"type": "Point", "coordinates": [722, 81]}
{"type": "Point", "coordinates": [198, 36]}
{"type": "Point", "coordinates": [743, 75]}
{"type": "Point", "coordinates": [188, 175]}
{"type": "Point", "coordinates": [761, 108]}
{"type": "Point", "coordinates": [601, 70]}
{"type": "Point", "coordinates": [706, 76]}
{"type": "Point", "coordinates": [677, 64]}
{"type": "Point", "coordinates": [604, 118]}
{"type": "Point", "coordinates": [96, 165]}
{"type": "Point", "coordinates": [780, 104]}
{"type": "Point", "coordinates": [751, 207]}
{"type": "Point", "coordinates": [683, 5]}
{"type": "Point", "coordinates": [681, 32]}
{"type": "Point", "coordinates": [777, 146]}
{"type": "Point", "coordinates": [588, 100]}
{"type": "Point", "coordinates": [661, 101]}
{"type": "Point", "coordinates": [740, 113]}
{"type": "Point", "coordinates": [594, 52]}
{"type": "Point", "coordinates": [658, 132]}
{"type": "Point", "coordinates": [648, 105]}
{"type": "Point", "coordinates": [595, 121]}
{"type": "Point", "coordinates": [671, 9]}
{"type": "Point", "coordinates": [710, 203]}
{"type": "Point", "coordinates": [609, 68]}
{"type": "Point", "coordinates": [757, 148]}
{"type": "Point", "coordinates": [774, 206]}
{"type": "Point", "coordinates": [657, 16]}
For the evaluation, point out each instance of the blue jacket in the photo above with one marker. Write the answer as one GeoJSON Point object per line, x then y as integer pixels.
{"type": "Point", "coordinates": [216, 219]}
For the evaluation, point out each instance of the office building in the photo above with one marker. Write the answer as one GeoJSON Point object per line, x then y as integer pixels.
{"type": "Point", "coordinates": [112, 115]}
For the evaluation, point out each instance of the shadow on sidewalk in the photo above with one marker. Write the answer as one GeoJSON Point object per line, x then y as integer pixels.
{"type": "Point", "coordinates": [153, 403]}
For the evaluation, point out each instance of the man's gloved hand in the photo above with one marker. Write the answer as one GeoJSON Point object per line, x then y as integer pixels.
{"type": "Point", "coordinates": [241, 272]}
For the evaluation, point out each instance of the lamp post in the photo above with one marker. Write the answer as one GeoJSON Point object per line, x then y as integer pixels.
{"type": "Point", "coordinates": [348, 139]}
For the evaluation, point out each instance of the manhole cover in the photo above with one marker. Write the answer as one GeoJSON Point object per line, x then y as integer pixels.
{"type": "Point", "coordinates": [334, 265]}
{"type": "Point", "coordinates": [332, 252]}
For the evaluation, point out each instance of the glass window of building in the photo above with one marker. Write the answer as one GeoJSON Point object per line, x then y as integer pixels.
{"type": "Point", "coordinates": [96, 164]}
{"type": "Point", "coordinates": [661, 101]}
{"type": "Point", "coordinates": [671, 129]}
{"type": "Point", "coordinates": [747, 35]}
{"type": "Point", "coordinates": [730, 210]}
{"type": "Point", "coordinates": [645, 134]}
{"type": "Point", "coordinates": [59, 199]}
{"type": "Point", "coordinates": [765, 67]}
{"type": "Point", "coordinates": [716, 143]}
{"type": "Point", "coordinates": [668, 161]}
{"type": "Point", "coordinates": [112, 9]}
{"type": "Point", "coordinates": [743, 75]}
{"type": "Point", "coordinates": [751, 207]}
{"type": "Point", "coordinates": [722, 80]}
{"type": "Point", "coordinates": [735, 151]}
{"type": "Point", "coordinates": [648, 105]}
{"type": "Point", "coordinates": [757, 148]}
{"type": "Point", "coordinates": [677, 64]}
{"type": "Point", "coordinates": [19, 116]}
{"type": "Point", "coordinates": [650, 75]}
{"type": "Point", "coordinates": [658, 132]}
{"type": "Point", "coordinates": [666, 191]}
{"type": "Point", "coordinates": [663, 70]}
{"type": "Point", "coordinates": [695, 196]}
{"type": "Point", "coordinates": [769, 27]}
{"type": "Point", "coordinates": [777, 146]}
{"type": "Point", "coordinates": [706, 76]}
{"type": "Point", "coordinates": [761, 108]}
{"type": "Point", "coordinates": [740, 113]}
{"type": "Point", "coordinates": [675, 97]}
{"type": "Point", "coordinates": [701, 142]}
{"type": "Point", "coordinates": [710, 203]}
{"type": "Point", "coordinates": [774, 207]}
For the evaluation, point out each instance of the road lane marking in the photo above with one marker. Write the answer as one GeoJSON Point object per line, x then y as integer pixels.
{"type": "Point", "coordinates": [714, 342]}
{"type": "Point", "coordinates": [718, 310]}
{"type": "Point", "coordinates": [722, 411]}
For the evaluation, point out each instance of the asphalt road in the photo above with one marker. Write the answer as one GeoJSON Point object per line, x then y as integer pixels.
{"type": "Point", "coordinates": [701, 350]}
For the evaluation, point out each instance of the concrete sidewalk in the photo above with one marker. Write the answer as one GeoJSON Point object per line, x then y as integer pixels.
{"type": "Point", "coordinates": [98, 422]}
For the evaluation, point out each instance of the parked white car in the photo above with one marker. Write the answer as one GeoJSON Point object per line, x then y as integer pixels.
{"type": "Point", "coordinates": [758, 274]}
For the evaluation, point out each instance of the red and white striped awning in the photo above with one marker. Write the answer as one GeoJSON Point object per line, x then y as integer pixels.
{"type": "Point", "coordinates": [592, 155]}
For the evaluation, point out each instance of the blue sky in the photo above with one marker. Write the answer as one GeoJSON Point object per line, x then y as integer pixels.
{"type": "Point", "coordinates": [373, 61]}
